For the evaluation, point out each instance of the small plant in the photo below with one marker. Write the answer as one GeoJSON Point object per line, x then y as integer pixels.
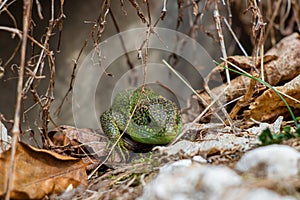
{"type": "Point", "coordinates": [267, 137]}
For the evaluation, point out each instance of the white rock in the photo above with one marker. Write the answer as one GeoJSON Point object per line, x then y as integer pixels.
{"type": "Point", "coordinates": [187, 180]}
{"type": "Point", "coordinates": [274, 128]}
{"type": "Point", "coordinates": [254, 194]}
{"type": "Point", "coordinates": [276, 161]}
{"type": "Point", "coordinates": [218, 179]}
{"type": "Point", "coordinates": [176, 166]}
{"type": "Point", "coordinates": [211, 141]}
{"type": "Point", "coordinates": [187, 147]}
{"type": "Point", "coordinates": [199, 159]}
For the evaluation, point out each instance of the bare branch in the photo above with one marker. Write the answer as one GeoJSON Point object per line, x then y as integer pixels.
{"type": "Point", "coordinates": [221, 38]}
{"type": "Point", "coordinates": [16, 127]}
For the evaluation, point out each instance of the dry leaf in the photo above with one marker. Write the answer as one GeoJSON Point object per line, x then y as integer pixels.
{"type": "Point", "coordinates": [78, 142]}
{"type": "Point", "coordinates": [40, 172]}
{"type": "Point", "coordinates": [91, 145]}
{"type": "Point", "coordinates": [269, 105]}
{"type": "Point", "coordinates": [281, 63]}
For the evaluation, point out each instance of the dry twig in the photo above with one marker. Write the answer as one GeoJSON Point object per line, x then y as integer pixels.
{"type": "Point", "coordinates": [16, 127]}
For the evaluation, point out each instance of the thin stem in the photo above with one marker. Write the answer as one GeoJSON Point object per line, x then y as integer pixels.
{"type": "Point", "coordinates": [221, 38]}
{"type": "Point", "coordinates": [235, 38]}
{"type": "Point", "coordinates": [16, 127]}
{"type": "Point", "coordinates": [3, 3]}
{"type": "Point", "coordinates": [20, 34]}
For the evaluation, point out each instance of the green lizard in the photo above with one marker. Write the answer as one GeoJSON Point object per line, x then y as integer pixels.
{"type": "Point", "coordinates": [156, 119]}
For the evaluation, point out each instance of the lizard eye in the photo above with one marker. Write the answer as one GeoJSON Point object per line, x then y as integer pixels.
{"type": "Point", "coordinates": [141, 116]}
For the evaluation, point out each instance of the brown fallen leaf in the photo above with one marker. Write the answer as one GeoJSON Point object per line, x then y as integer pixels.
{"type": "Point", "coordinates": [77, 142]}
{"type": "Point", "coordinates": [92, 146]}
{"type": "Point", "coordinates": [40, 172]}
{"type": "Point", "coordinates": [269, 105]}
{"type": "Point", "coordinates": [281, 64]}
{"type": "Point", "coordinates": [239, 84]}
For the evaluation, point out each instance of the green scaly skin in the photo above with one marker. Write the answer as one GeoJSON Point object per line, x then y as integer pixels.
{"type": "Point", "coordinates": [156, 119]}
